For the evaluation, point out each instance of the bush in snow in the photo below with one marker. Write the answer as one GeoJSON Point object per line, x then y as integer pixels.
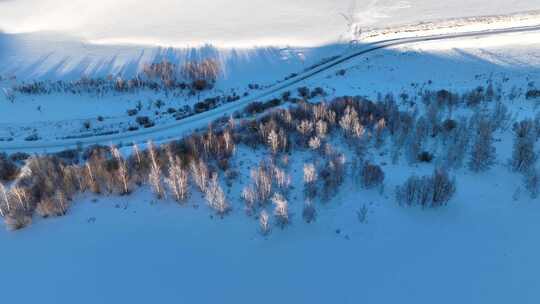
{"type": "Point", "coordinates": [53, 206]}
{"type": "Point", "coordinates": [427, 191]}
{"type": "Point", "coordinates": [332, 174]}
{"type": "Point", "coordinates": [456, 142]}
{"type": "Point", "coordinates": [17, 219]}
{"type": "Point", "coordinates": [309, 213]}
{"type": "Point", "coordinates": [8, 169]}
{"type": "Point", "coordinates": [371, 175]}
{"type": "Point", "coordinates": [482, 151]}
{"type": "Point", "coordinates": [531, 180]}
{"type": "Point", "coordinates": [523, 155]}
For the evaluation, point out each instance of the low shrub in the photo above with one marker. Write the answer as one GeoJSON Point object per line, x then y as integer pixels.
{"type": "Point", "coordinates": [427, 191]}
{"type": "Point", "coordinates": [371, 175]}
{"type": "Point", "coordinates": [8, 168]}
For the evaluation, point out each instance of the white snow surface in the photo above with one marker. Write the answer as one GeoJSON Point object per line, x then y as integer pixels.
{"type": "Point", "coordinates": [237, 23]}
{"type": "Point", "coordinates": [481, 248]}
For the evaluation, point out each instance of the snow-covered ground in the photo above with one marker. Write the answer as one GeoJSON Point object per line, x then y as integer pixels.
{"type": "Point", "coordinates": [481, 248]}
{"type": "Point", "coordinates": [510, 61]}
{"type": "Point", "coordinates": [238, 23]}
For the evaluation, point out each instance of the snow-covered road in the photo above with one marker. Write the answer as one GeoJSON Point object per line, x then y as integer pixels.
{"type": "Point", "coordinates": [179, 128]}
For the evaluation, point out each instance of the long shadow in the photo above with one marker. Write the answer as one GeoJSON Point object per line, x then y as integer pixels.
{"type": "Point", "coordinates": [46, 56]}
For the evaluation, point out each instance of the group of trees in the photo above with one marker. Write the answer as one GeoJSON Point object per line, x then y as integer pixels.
{"type": "Point", "coordinates": [197, 161]}
{"type": "Point", "coordinates": [157, 76]}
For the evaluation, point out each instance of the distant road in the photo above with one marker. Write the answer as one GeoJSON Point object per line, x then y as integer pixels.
{"type": "Point", "coordinates": [184, 126]}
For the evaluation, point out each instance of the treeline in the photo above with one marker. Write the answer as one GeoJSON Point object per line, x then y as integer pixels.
{"type": "Point", "coordinates": [192, 76]}
{"type": "Point", "coordinates": [201, 162]}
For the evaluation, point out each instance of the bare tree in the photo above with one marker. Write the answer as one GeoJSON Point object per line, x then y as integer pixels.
{"type": "Point", "coordinates": [428, 191]}
{"type": "Point", "coordinates": [264, 222]}
{"type": "Point", "coordinates": [216, 197]}
{"type": "Point", "coordinates": [21, 197]}
{"type": "Point", "coordinates": [315, 143]}
{"type": "Point", "coordinates": [457, 144]}
{"type": "Point", "coordinates": [229, 142]}
{"type": "Point", "coordinates": [532, 182]}
{"type": "Point", "coordinates": [283, 180]}
{"type": "Point", "coordinates": [4, 200]}
{"type": "Point", "coordinates": [199, 172]}
{"type": "Point", "coordinates": [305, 128]}
{"type": "Point", "coordinates": [281, 210]}
{"type": "Point", "coordinates": [273, 141]}
{"type": "Point", "coordinates": [524, 156]}
{"type": "Point", "coordinates": [309, 213]}
{"type": "Point", "coordinates": [371, 175]}
{"type": "Point", "coordinates": [250, 198]}
{"type": "Point", "coordinates": [321, 128]}
{"type": "Point", "coordinates": [349, 120]}
{"type": "Point", "coordinates": [483, 151]}
{"type": "Point", "coordinates": [178, 179]}
{"type": "Point", "coordinates": [155, 176]}
{"type": "Point", "coordinates": [91, 179]}
{"type": "Point", "coordinates": [122, 171]}
{"type": "Point", "coordinates": [262, 178]}
{"type": "Point", "coordinates": [310, 179]}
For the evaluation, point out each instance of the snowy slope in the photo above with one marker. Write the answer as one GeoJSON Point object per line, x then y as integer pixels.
{"type": "Point", "coordinates": [236, 23]}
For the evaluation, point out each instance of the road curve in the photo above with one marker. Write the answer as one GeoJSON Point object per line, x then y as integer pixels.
{"type": "Point", "coordinates": [182, 127]}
